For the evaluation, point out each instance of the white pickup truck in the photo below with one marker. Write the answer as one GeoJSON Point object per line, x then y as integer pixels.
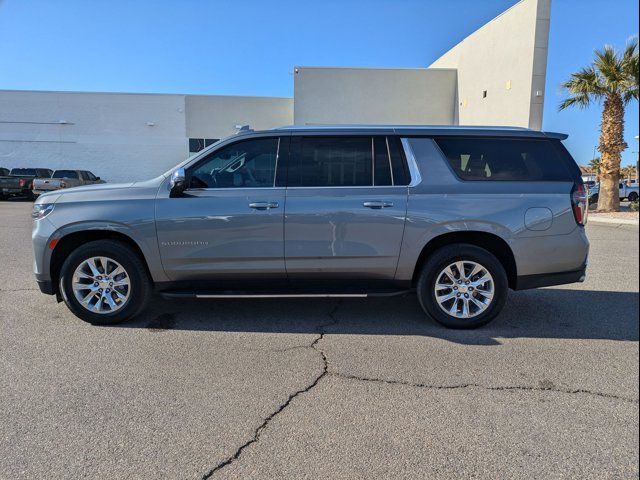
{"type": "Point", "coordinates": [626, 192]}
{"type": "Point", "coordinates": [64, 179]}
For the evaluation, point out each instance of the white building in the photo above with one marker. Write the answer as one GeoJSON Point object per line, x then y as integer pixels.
{"type": "Point", "coordinates": [495, 76]}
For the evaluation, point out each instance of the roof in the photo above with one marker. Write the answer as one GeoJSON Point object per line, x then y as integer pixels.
{"type": "Point", "coordinates": [435, 130]}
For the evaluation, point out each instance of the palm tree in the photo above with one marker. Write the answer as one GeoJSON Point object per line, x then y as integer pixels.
{"type": "Point", "coordinates": [612, 78]}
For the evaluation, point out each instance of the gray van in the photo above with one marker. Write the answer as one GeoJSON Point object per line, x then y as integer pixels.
{"type": "Point", "coordinates": [457, 215]}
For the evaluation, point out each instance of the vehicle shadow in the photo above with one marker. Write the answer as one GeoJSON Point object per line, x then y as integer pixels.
{"type": "Point", "coordinates": [544, 313]}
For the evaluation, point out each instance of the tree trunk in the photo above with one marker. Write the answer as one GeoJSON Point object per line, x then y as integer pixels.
{"type": "Point", "coordinates": [611, 146]}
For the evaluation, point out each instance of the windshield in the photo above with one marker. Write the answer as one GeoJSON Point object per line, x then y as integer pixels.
{"type": "Point", "coordinates": [65, 174]}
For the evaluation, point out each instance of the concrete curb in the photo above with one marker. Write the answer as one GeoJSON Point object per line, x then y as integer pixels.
{"type": "Point", "coordinates": [612, 221]}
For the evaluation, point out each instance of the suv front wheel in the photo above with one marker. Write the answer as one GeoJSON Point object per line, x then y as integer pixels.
{"type": "Point", "coordinates": [462, 286]}
{"type": "Point", "coordinates": [105, 282]}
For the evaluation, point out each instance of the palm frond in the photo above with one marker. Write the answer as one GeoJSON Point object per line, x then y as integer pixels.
{"type": "Point", "coordinates": [580, 100]}
{"type": "Point", "coordinates": [611, 73]}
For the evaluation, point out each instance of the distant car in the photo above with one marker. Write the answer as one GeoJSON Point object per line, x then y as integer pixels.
{"type": "Point", "coordinates": [628, 192]}
{"type": "Point", "coordinates": [19, 181]}
{"type": "Point", "coordinates": [64, 179]}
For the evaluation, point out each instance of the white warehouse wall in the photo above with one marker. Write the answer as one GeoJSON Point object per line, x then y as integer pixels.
{"type": "Point", "coordinates": [121, 137]}
{"type": "Point", "coordinates": [507, 58]}
{"type": "Point", "coordinates": [106, 133]}
{"type": "Point", "coordinates": [374, 96]}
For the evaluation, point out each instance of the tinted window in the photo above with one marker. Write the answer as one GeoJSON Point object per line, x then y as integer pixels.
{"type": "Point", "coordinates": [90, 176]}
{"type": "Point", "coordinates": [251, 163]}
{"type": "Point", "coordinates": [331, 162]}
{"type": "Point", "coordinates": [398, 163]}
{"type": "Point", "coordinates": [197, 144]}
{"type": "Point", "coordinates": [65, 174]}
{"type": "Point", "coordinates": [504, 159]}
{"type": "Point", "coordinates": [30, 172]}
{"type": "Point", "coordinates": [382, 165]}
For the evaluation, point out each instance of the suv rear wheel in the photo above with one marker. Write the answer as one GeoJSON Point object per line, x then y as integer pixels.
{"type": "Point", "coordinates": [462, 286]}
{"type": "Point", "coordinates": [104, 282]}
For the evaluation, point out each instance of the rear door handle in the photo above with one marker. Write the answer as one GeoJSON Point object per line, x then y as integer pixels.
{"type": "Point", "coordinates": [377, 204]}
{"type": "Point", "coordinates": [263, 205]}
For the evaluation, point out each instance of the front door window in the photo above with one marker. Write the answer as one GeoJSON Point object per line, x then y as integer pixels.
{"type": "Point", "coordinates": [245, 164]}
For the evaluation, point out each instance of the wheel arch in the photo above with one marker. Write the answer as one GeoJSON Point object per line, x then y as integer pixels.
{"type": "Point", "coordinates": [69, 242]}
{"type": "Point", "coordinates": [491, 242]}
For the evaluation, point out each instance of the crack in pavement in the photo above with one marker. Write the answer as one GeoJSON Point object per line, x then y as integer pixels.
{"type": "Point", "coordinates": [325, 372]}
{"type": "Point", "coordinates": [485, 387]}
{"type": "Point", "coordinates": [258, 431]}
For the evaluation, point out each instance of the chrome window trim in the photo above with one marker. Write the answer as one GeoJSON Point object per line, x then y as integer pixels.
{"type": "Point", "coordinates": [275, 168]}
{"type": "Point", "coordinates": [347, 187]}
{"type": "Point", "coordinates": [232, 189]}
{"type": "Point", "coordinates": [414, 172]}
{"type": "Point", "coordinates": [386, 139]}
{"type": "Point", "coordinates": [373, 164]}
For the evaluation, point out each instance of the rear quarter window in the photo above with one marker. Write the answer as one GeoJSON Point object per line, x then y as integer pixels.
{"type": "Point", "coordinates": [505, 159]}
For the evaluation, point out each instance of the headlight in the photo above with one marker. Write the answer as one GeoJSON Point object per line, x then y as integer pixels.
{"type": "Point", "coordinates": [41, 210]}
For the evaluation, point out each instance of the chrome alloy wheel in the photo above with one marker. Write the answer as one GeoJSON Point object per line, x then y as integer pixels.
{"type": "Point", "coordinates": [464, 289]}
{"type": "Point", "coordinates": [101, 285]}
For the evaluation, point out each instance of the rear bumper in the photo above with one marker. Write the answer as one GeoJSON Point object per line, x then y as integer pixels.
{"type": "Point", "coordinates": [526, 282]}
{"type": "Point", "coordinates": [12, 191]}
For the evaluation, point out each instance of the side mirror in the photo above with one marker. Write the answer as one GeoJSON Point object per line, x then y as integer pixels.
{"type": "Point", "coordinates": [178, 183]}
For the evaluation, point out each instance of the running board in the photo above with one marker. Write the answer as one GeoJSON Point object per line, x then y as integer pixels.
{"type": "Point", "coordinates": [203, 295]}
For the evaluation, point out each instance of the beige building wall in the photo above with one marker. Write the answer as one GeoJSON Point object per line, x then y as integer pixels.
{"type": "Point", "coordinates": [374, 96]}
{"type": "Point", "coordinates": [507, 59]}
{"type": "Point", "coordinates": [216, 116]}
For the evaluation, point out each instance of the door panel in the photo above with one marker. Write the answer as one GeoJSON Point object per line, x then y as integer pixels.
{"type": "Point", "coordinates": [229, 222]}
{"type": "Point", "coordinates": [330, 233]}
{"type": "Point", "coordinates": [222, 234]}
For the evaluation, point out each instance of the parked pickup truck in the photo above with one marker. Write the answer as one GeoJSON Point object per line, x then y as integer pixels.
{"type": "Point", "coordinates": [64, 179]}
{"type": "Point", "coordinates": [629, 192]}
{"type": "Point", "coordinates": [20, 181]}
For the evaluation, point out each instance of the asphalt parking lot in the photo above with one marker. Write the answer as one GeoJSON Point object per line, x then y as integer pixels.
{"type": "Point", "coordinates": [322, 389]}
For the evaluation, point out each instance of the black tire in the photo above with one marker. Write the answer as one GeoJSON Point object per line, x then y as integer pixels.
{"type": "Point", "coordinates": [445, 256]}
{"type": "Point", "coordinates": [593, 199]}
{"type": "Point", "coordinates": [140, 283]}
{"type": "Point", "coordinates": [3, 197]}
{"type": "Point", "coordinates": [633, 197]}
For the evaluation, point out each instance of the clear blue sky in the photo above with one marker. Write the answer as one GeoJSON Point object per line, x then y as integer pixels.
{"type": "Point", "coordinates": [242, 47]}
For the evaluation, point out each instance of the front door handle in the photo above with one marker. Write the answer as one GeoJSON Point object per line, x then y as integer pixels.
{"type": "Point", "coordinates": [263, 205]}
{"type": "Point", "coordinates": [377, 204]}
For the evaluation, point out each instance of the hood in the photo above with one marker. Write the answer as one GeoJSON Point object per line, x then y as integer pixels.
{"type": "Point", "coordinates": [102, 191]}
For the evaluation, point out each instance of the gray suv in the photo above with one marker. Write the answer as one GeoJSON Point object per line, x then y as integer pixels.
{"type": "Point", "coordinates": [457, 214]}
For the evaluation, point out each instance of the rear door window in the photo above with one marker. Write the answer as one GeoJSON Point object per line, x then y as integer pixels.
{"type": "Point", "coordinates": [331, 162]}
{"type": "Point", "coordinates": [504, 159]}
{"type": "Point", "coordinates": [365, 161]}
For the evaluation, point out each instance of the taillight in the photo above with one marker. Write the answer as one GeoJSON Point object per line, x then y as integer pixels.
{"type": "Point", "coordinates": [22, 182]}
{"type": "Point", "coordinates": [63, 185]}
{"type": "Point", "coordinates": [580, 203]}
